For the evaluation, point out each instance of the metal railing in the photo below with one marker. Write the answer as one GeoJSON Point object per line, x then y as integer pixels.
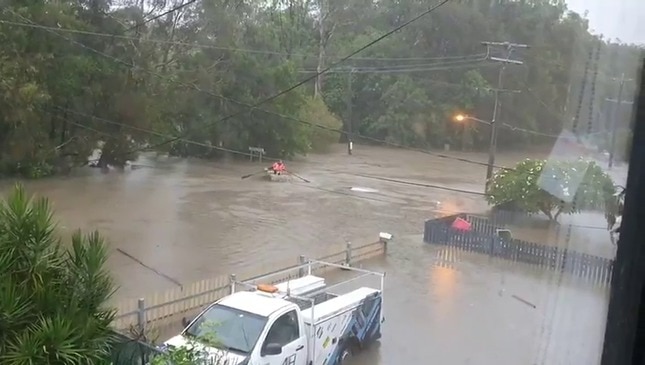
{"type": "Point", "coordinates": [168, 305]}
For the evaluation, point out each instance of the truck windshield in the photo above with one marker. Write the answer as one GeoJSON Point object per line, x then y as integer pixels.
{"type": "Point", "coordinates": [228, 328]}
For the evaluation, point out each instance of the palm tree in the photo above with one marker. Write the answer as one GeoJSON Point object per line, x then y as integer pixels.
{"type": "Point", "coordinates": [52, 298]}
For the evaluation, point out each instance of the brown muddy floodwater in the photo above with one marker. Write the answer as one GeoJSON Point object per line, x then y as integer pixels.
{"type": "Point", "coordinates": [179, 221]}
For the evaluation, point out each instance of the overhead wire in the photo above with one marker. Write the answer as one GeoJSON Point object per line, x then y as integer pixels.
{"type": "Point", "coordinates": [172, 10]}
{"type": "Point", "coordinates": [366, 176]}
{"type": "Point", "coordinates": [233, 49]}
{"type": "Point", "coordinates": [343, 59]}
{"type": "Point", "coordinates": [467, 59]}
{"type": "Point", "coordinates": [546, 107]}
{"type": "Point", "coordinates": [251, 107]}
{"type": "Point", "coordinates": [297, 85]}
{"type": "Point", "coordinates": [397, 68]}
{"type": "Point", "coordinates": [243, 153]}
{"type": "Point", "coordinates": [247, 154]}
{"type": "Point", "coordinates": [428, 69]}
{"type": "Point", "coordinates": [405, 69]}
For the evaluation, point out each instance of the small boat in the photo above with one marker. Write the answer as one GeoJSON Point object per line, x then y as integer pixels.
{"type": "Point", "coordinates": [270, 175]}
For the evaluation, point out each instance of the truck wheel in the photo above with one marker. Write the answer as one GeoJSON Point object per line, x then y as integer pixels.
{"type": "Point", "coordinates": [345, 356]}
{"type": "Point", "coordinates": [347, 353]}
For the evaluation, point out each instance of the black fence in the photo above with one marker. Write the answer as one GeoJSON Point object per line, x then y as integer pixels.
{"type": "Point", "coordinates": [128, 351]}
{"type": "Point", "coordinates": [484, 238]}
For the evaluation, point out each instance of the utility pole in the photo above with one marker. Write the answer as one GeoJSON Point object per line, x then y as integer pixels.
{"type": "Point", "coordinates": [348, 96]}
{"type": "Point", "coordinates": [508, 48]}
{"type": "Point", "coordinates": [614, 127]}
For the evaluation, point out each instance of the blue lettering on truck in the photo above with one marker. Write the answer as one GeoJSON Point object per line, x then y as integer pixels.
{"type": "Point", "coordinates": [362, 329]}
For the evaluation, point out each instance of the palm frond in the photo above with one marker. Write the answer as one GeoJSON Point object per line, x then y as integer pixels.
{"type": "Point", "coordinates": [52, 300]}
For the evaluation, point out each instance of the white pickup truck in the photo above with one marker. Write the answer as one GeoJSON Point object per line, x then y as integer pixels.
{"type": "Point", "coordinates": [297, 322]}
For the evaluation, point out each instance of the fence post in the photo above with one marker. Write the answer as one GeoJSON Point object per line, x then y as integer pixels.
{"type": "Point", "coordinates": [301, 261]}
{"type": "Point", "coordinates": [348, 254]}
{"type": "Point", "coordinates": [141, 315]}
{"type": "Point", "coordinates": [232, 279]}
{"type": "Point", "coordinates": [384, 242]}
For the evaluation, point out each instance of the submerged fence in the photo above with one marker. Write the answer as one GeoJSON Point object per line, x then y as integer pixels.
{"type": "Point", "coordinates": [484, 238]}
{"type": "Point", "coordinates": [160, 308]}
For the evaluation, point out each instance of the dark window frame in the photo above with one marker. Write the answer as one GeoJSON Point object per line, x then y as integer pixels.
{"type": "Point", "coordinates": [625, 332]}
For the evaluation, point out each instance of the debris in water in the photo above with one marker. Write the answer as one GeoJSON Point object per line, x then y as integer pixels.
{"type": "Point", "coordinates": [363, 190]}
{"type": "Point", "coordinates": [524, 301]}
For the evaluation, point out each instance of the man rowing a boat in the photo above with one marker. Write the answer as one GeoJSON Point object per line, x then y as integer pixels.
{"type": "Point", "coordinates": [278, 168]}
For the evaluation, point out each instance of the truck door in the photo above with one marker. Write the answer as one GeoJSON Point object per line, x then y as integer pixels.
{"type": "Point", "coordinates": [285, 343]}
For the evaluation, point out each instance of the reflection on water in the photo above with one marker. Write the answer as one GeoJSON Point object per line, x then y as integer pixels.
{"type": "Point", "coordinates": [468, 312]}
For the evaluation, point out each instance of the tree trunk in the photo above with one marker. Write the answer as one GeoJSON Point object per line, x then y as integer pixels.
{"type": "Point", "coordinates": [544, 209]}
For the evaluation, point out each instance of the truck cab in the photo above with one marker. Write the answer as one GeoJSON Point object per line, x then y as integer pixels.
{"type": "Point", "coordinates": [273, 326]}
{"type": "Point", "coordinates": [247, 326]}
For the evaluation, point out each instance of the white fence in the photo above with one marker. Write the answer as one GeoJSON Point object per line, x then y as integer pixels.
{"type": "Point", "coordinates": [161, 307]}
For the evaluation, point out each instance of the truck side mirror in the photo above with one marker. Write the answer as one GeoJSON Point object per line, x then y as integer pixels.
{"type": "Point", "coordinates": [271, 349]}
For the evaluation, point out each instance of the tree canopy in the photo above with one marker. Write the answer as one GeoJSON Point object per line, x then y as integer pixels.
{"type": "Point", "coordinates": [132, 74]}
{"type": "Point", "coordinates": [53, 305]}
{"type": "Point", "coordinates": [552, 187]}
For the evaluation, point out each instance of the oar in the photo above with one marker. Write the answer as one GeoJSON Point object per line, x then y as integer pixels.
{"type": "Point", "coordinates": [253, 174]}
{"type": "Point", "coordinates": [299, 177]}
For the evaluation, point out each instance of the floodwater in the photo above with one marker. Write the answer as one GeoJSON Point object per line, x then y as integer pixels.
{"type": "Point", "coordinates": [177, 221]}
{"type": "Point", "coordinates": [447, 306]}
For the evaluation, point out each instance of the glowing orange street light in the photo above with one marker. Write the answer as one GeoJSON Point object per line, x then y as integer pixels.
{"type": "Point", "coordinates": [463, 117]}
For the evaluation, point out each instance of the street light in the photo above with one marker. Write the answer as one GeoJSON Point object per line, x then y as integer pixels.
{"type": "Point", "coordinates": [493, 138]}
{"type": "Point", "coordinates": [462, 117]}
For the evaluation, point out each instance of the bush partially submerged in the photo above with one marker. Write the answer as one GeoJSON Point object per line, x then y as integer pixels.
{"type": "Point", "coordinates": [552, 188]}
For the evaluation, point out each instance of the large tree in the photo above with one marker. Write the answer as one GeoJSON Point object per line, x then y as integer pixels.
{"type": "Point", "coordinates": [53, 294]}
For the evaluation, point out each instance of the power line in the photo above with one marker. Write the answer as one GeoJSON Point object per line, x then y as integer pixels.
{"type": "Point", "coordinates": [357, 70]}
{"type": "Point", "coordinates": [369, 44]}
{"type": "Point", "coordinates": [177, 138]}
{"type": "Point", "coordinates": [468, 59]}
{"type": "Point", "coordinates": [423, 185]}
{"type": "Point", "coordinates": [235, 49]}
{"type": "Point", "coordinates": [353, 69]}
{"type": "Point", "coordinates": [428, 68]}
{"type": "Point", "coordinates": [242, 153]}
{"type": "Point", "coordinates": [373, 177]}
{"type": "Point", "coordinates": [546, 107]}
{"type": "Point", "coordinates": [254, 106]}
{"type": "Point", "coordinates": [146, 21]}
{"type": "Point", "coordinates": [183, 139]}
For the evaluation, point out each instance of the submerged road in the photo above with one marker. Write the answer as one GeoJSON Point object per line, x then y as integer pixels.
{"type": "Point", "coordinates": [179, 221]}
{"type": "Point", "coordinates": [446, 306]}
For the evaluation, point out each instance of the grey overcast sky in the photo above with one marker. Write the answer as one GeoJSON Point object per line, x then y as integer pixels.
{"type": "Point", "coordinates": [622, 19]}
